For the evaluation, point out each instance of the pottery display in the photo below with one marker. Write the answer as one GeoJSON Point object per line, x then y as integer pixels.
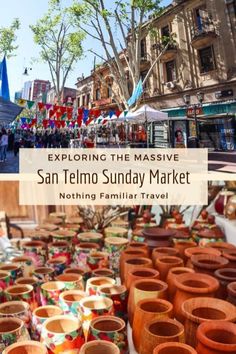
{"type": "Point", "coordinates": [58, 264]}
{"type": "Point", "coordinates": [130, 253]}
{"type": "Point", "coordinates": [139, 245]}
{"type": "Point", "coordinates": [141, 273]}
{"type": "Point", "coordinates": [190, 285]}
{"type": "Point", "coordinates": [99, 347]}
{"type": "Point", "coordinates": [225, 277]}
{"type": "Point", "coordinates": [62, 334]}
{"type": "Point", "coordinates": [94, 283]}
{"type": "Point", "coordinates": [231, 289]}
{"type": "Point", "coordinates": [114, 231]}
{"type": "Point", "coordinates": [17, 309]}
{"type": "Point", "coordinates": [208, 264]}
{"type": "Point", "coordinates": [37, 251]}
{"type": "Point", "coordinates": [50, 292]}
{"type": "Point", "coordinates": [119, 295]}
{"type": "Point", "coordinates": [174, 348]}
{"type": "Point", "coordinates": [158, 237]}
{"type": "Point", "coordinates": [97, 259]}
{"type": "Point", "coordinates": [230, 255]}
{"type": "Point", "coordinates": [192, 251]}
{"type": "Point", "coordinates": [136, 263]}
{"type": "Point", "coordinates": [90, 237]}
{"type": "Point", "coordinates": [5, 281]}
{"type": "Point", "coordinates": [21, 293]}
{"type": "Point", "coordinates": [39, 316]}
{"type": "Point", "coordinates": [181, 246]}
{"type": "Point", "coordinates": [221, 246]}
{"type": "Point", "coordinates": [82, 250]}
{"type": "Point", "coordinates": [145, 289]}
{"type": "Point", "coordinates": [59, 249]}
{"type": "Point", "coordinates": [12, 330]}
{"type": "Point", "coordinates": [63, 235]}
{"type": "Point", "coordinates": [103, 272]}
{"type": "Point", "coordinates": [221, 201]}
{"type": "Point", "coordinates": [92, 307]}
{"type": "Point", "coordinates": [14, 270]}
{"type": "Point", "coordinates": [172, 274]}
{"type": "Point", "coordinates": [160, 331]}
{"type": "Point", "coordinates": [200, 309]}
{"type": "Point", "coordinates": [216, 337]}
{"type": "Point", "coordinates": [71, 281]}
{"type": "Point", "coordinates": [43, 274]}
{"type": "Point", "coordinates": [146, 311]}
{"type": "Point", "coordinates": [111, 329]}
{"type": "Point", "coordinates": [164, 263]}
{"type": "Point", "coordinates": [163, 251]}
{"type": "Point", "coordinates": [230, 208]}
{"type": "Point", "coordinates": [26, 347]}
{"type": "Point", "coordinates": [114, 246]}
{"type": "Point", "coordinates": [69, 301]}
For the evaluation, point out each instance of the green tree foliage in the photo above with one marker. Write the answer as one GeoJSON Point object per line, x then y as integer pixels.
{"type": "Point", "coordinates": [60, 42]}
{"type": "Point", "coordinates": [8, 38]}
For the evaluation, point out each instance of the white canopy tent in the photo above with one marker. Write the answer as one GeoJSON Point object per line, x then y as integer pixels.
{"type": "Point", "coordinates": [146, 114]}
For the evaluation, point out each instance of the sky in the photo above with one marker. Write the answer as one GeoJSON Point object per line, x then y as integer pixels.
{"type": "Point", "coordinates": [28, 11]}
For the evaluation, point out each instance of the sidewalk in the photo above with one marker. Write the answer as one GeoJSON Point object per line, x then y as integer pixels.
{"type": "Point", "coordinates": [11, 165]}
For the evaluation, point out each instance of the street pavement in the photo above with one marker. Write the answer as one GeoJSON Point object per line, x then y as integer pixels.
{"type": "Point", "coordinates": [218, 161]}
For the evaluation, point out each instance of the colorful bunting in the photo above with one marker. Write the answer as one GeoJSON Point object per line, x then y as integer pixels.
{"type": "Point", "coordinates": [41, 106]}
{"type": "Point", "coordinates": [21, 102]}
{"type": "Point", "coordinates": [48, 106]}
{"type": "Point", "coordinates": [30, 104]}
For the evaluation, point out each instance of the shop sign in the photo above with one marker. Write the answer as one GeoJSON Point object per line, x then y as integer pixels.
{"type": "Point", "coordinates": [191, 113]}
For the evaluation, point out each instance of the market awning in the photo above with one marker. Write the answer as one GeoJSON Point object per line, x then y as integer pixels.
{"type": "Point", "coordinates": [8, 111]}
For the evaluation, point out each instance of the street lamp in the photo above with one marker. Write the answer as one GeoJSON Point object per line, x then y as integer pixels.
{"type": "Point", "coordinates": [187, 100]}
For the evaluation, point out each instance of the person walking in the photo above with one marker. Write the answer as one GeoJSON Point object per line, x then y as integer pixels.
{"type": "Point", "coordinates": [3, 145]}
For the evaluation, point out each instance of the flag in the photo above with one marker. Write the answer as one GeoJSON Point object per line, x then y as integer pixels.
{"type": "Point", "coordinates": [4, 87]}
{"type": "Point", "coordinates": [137, 93]}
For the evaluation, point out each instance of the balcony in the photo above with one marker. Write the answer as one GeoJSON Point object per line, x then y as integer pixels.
{"type": "Point", "coordinates": [144, 61]}
{"type": "Point", "coordinates": [169, 54]}
{"type": "Point", "coordinates": [102, 102]}
{"type": "Point", "coordinates": [203, 35]}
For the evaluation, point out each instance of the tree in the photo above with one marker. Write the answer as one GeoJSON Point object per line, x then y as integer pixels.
{"type": "Point", "coordinates": [119, 29]}
{"type": "Point", "coordinates": [60, 42]}
{"type": "Point", "coordinates": [8, 37]}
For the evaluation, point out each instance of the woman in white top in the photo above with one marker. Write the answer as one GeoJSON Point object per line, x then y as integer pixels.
{"type": "Point", "coordinates": [3, 146]}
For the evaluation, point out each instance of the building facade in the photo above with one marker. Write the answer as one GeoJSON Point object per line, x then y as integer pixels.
{"type": "Point", "coordinates": [33, 89]}
{"type": "Point", "coordinates": [68, 96]}
{"type": "Point", "coordinates": [84, 94]}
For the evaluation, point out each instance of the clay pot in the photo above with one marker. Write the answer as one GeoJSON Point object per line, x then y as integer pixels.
{"type": "Point", "coordinates": [22, 293]}
{"type": "Point", "coordinates": [225, 277]}
{"type": "Point", "coordinates": [14, 270]}
{"type": "Point", "coordinates": [221, 246]}
{"type": "Point", "coordinates": [174, 348]}
{"type": "Point", "coordinates": [27, 281]}
{"type": "Point", "coordinates": [94, 283]}
{"type": "Point", "coordinates": [71, 281]}
{"type": "Point", "coordinates": [172, 274]}
{"type": "Point", "coordinates": [199, 310]}
{"type": "Point", "coordinates": [146, 311]}
{"type": "Point", "coordinates": [50, 292]}
{"type": "Point", "coordinates": [116, 232]}
{"type": "Point", "coordinates": [43, 274]}
{"type": "Point", "coordinates": [141, 273]}
{"type": "Point", "coordinates": [160, 331]}
{"type": "Point", "coordinates": [120, 223]}
{"type": "Point", "coordinates": [12, 330]}
{"type": "Point", "coordinates": [230, 255]}
{"type": "Point", "coordinates": [216, 337]}
{"type": "Point", "coordinates": [181, 246]}
{"type": "Point", "coordinates": [191, 285]}
{"type": "Point", "coordinates": [62, 333]}
{"type": "Point", "coordinates": [26, 347]}
{"type": "Point", "coordinates": [58, 264]}
{"type": "Point", "coordinates": [26, 265]}
{"type": "Point", "coordinates": [75, 270]}
{"type": "Point", "coordinates": [111, 329]}
{"type": "Point", "coordinates": [63, 235]}
{"type": "Point", "coordinates": [119, 295]}
{"type": "Point", "coordinates": [69, 301]}
{"type": "Point", "coordinates": [130, 254]}
{"type": "Point", "coordinates": [103, 272]}
{"type": "Point", "coordinates": [192, 251]}
{"type": "Point", "coordinates": [17, 309]}
{"type": "Point", "coordinates": [114, 246]}
{"type": "Point", "coordinates": [165, 263]}
{"type": "Point", "coordinates": [163, 251]}
{"type": "Point", "coordinates": [136, 263]}
{"type": "Point", "coordinates": [208, 264]}
{"type": "Point", "coordinates": [92, 307]}
{"type": "Point", "coordinates": [59, 249]}
{"type": "Point", "coordinates": [5, 279]}
{"type": "Point", "coordinates": [37, 251]}
{"type": "Point", "coordinates": [231, 289]}
{"type": "Point", "coordinates": [99, 347]}
{"type": "Point", "coordinates": [145, 289]}
{"type": "Point", "coordinates": [221, 201]}
{"type": "Point", "coordinates": [96, 260]}
{"type": "Point", "coordinates": [39, 316]}
{"type": "Point", "coordinates": [90, 237]}
{"type": "Point", "coordinates": [82, 250]}
{"type": "Point", "coordinates": [158, 237]}
{"type": "Point", "coordinates": [139, 245]}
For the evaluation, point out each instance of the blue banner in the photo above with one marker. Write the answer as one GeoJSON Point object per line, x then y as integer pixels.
{"type": "Point", "coordinates": [4, 87]}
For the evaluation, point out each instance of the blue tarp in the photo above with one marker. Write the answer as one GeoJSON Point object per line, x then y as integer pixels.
{"type": "Point", "coordinates": [8, 111]}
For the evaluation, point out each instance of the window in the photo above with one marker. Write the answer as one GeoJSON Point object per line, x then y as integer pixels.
{"type": "Point", "coordinates": [171, 73]}
{"type": "Point", "coordinates": [88, 99]}
{"type": "Point", "coordinates": [109, 91]}
{"type": "Point", "coordinates": [143, 74]}
{"type": "Point", "coordinates": [143, 45]}
{"type": "Point", "coordinates": [78, 101]}
{"type": "Point", "coordinates": [98, 94]}
{"type": "Point", "coordinates": [207, 59]}
{"type": "Point", "coordinates": [201, 18]}
{"type": "Point", "coordinates": [83, 101]}
{"type": "Point", "coordinates": [165, 31]}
